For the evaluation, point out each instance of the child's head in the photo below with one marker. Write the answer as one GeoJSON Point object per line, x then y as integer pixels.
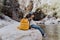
{"type": "Point", "coordinates": [30, 15]}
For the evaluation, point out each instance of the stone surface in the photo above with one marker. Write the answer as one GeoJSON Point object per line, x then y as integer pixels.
{"type": "Point", "coordinates": [11, 32]}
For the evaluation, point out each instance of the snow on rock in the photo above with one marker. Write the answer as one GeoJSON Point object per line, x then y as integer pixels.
{"type": "Point", "coordinates": [10, 31]}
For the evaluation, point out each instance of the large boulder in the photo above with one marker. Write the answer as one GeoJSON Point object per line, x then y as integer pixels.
{"type": "Point", "coordinates": [11, 32]}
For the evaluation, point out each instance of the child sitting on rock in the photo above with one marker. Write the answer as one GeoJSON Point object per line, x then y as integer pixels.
{"type": "Point", "coordinates": [30, 17]}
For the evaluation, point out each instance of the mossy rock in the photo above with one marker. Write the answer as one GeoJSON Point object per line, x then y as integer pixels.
{"type": "Point", "coordinates": [39, 14]}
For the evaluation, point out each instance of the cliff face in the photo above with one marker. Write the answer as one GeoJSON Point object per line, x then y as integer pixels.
{"type": "Point", "coordinates": [11, 9]}
{"type": "Point", "coordinates": [1, 4]}
{"type": "Point", "coordinates": [46, 5]}
{"type": "Point", "coordinates": [1, 1]}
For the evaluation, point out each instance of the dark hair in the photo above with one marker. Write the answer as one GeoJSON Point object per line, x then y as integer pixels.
{"type": "Point", "coordinates": [28, 16]}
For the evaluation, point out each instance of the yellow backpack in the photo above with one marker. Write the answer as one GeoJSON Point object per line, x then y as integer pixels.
{"type": "Point", "coordinates": [24, 24]}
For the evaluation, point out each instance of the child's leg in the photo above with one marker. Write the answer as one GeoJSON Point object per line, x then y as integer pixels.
{"type": "Point", "coordinates": [39, 28]}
